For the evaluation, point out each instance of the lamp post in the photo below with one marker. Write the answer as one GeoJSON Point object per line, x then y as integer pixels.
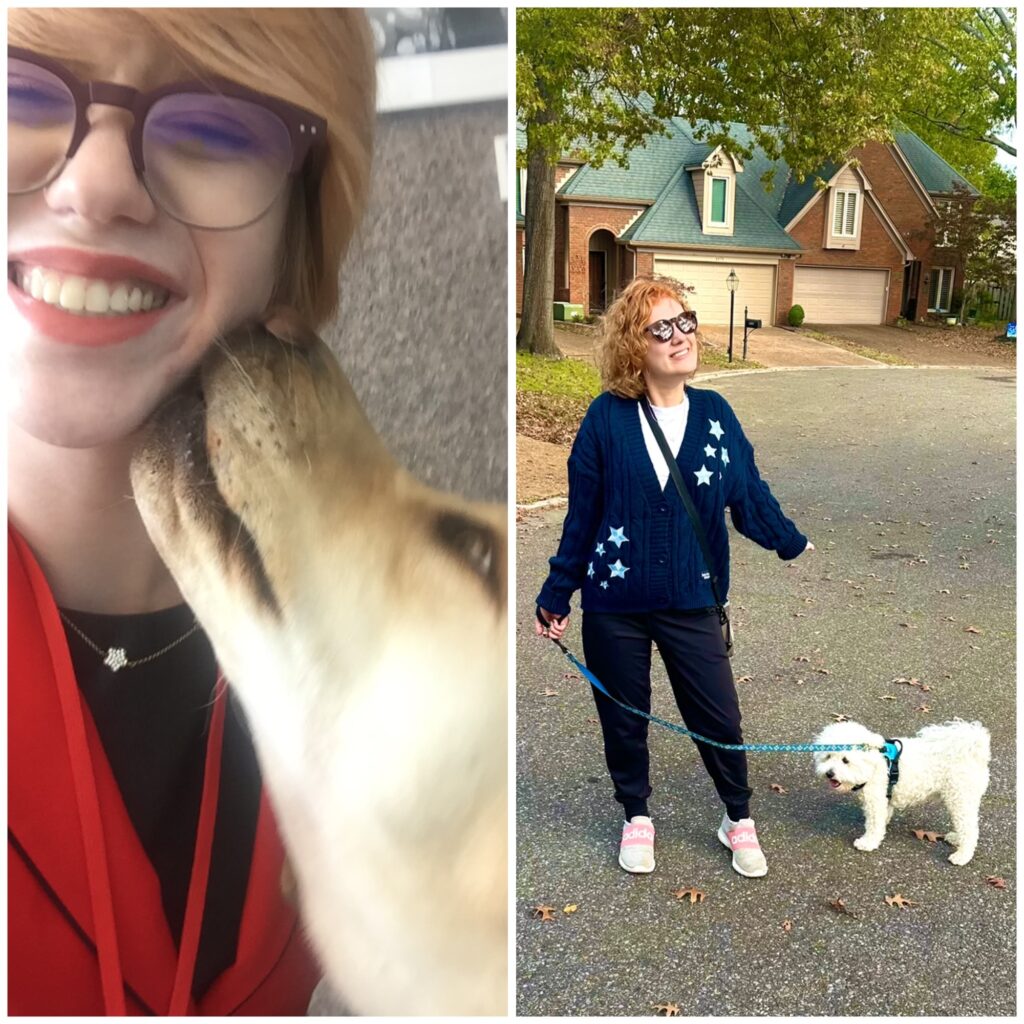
{"type": "Point", "coordinates": [732, 282]}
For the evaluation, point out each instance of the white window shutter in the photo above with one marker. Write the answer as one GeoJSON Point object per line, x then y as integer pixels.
{"type": "Point", "coordinates": [851, 212]}
{"type": "Point", "coordinates": [837, 217]}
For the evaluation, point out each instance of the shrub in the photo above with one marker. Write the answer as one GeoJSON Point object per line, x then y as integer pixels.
{"type": "Point", "coordinates": [796, 316]}
{"type": "Point", "coordinates": [577, 318]}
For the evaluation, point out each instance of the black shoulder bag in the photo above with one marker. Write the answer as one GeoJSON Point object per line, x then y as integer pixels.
{"type": "Point", "coordinates": [684, 494]}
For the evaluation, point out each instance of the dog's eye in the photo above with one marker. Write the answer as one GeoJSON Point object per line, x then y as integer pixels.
{"type": "Point", "coordinates": [845, 761]}
{"type": "Point", "coordinates": [476, 545]}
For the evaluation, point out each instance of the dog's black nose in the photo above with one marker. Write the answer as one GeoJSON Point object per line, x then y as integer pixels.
{"type": "Point", "coordinates": [830, 774]}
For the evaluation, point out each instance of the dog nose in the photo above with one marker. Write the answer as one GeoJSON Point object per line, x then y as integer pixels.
{"type": "Point", "coordinates": [829, 774]}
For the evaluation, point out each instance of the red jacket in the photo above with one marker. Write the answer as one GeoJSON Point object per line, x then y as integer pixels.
{"type": "Point", "coordinates": [53, 968]}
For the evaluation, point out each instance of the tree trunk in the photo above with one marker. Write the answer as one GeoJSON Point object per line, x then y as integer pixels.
{"type": "Point", "coordinates": [536, 329]}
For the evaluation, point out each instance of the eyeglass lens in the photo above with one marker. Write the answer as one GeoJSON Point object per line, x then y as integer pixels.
{"type": "Point", "coordinates": [211, 161]}
{"type": "Point", "coordinates": [663, 329]}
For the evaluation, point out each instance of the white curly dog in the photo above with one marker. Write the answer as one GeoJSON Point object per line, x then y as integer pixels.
{"type": "Point", "coordinates": [948, 760]}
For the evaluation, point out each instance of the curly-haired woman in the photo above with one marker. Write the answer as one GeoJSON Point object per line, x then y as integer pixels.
{"type": "Point", "coordinates": [630, 546]}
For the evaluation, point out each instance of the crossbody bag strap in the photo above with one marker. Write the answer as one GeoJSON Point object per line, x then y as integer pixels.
{"type": "Point", "coordinates": [684, 494]}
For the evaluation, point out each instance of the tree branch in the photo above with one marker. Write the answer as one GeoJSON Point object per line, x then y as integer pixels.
{"type": "Point", "coordinates": [966, 133]}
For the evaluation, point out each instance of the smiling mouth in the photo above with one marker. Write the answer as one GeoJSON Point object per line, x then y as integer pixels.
{"type": "Point", "coordinates": [834, 783]}
{"type": "Point", "coordinates": [88, 296]}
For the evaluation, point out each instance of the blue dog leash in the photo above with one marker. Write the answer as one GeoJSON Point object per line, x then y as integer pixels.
{"type": "Point", "coordinates": [891, 748]}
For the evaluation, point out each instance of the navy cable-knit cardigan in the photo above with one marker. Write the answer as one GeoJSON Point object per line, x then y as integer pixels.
{"type": "Point", "coordinates": [628, 544]}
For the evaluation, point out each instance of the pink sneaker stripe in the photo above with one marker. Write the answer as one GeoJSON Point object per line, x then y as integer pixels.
{"type": "Point", "coordinates": [743, 839]}
{"type": "Point", "coordinates": [637, 835]}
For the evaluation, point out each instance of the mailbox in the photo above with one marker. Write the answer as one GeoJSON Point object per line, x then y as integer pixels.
{"type": "Point", "coordinates": [752, 324]}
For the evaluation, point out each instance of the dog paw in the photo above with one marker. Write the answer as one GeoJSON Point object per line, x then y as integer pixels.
{"type": "Point", "coordinates": [866, 844]}
{"type": "Point", "coordinates": [960, 857]}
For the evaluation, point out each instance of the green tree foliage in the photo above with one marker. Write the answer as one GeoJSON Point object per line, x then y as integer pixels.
{"type": "Point", "coordinates": [981, 235]}
{"type": "Point", "coordinates": [968, 93]}
{"type": "Point", "coordinates": [593, 83]}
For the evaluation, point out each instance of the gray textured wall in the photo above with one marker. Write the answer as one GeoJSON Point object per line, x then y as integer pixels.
{"type": "Point", "coordinates": [422, 329]}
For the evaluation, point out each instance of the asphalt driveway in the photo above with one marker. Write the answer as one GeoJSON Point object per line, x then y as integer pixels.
{"type": "Point", "coordinates": [905, 480]}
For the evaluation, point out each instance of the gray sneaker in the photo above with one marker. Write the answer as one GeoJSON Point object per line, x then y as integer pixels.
{"type": "Point", "coordinates": [741, 837]}
{"type": "Point", "coordinates": [636, 851]}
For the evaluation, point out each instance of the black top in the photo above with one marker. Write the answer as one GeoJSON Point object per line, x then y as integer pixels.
{"type": "Point", "coordinates": [153, 721]}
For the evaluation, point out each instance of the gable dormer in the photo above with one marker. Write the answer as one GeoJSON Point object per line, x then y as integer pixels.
{"type": "Point", "coordinates": [844, 216]}
{"type": "Point", "coordinates": [714, 185]}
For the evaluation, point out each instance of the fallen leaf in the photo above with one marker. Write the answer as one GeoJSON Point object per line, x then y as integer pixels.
{"type": "Point", "coordinates": [925, 688]}
{"type": "Point", "coordinates": [973, 629]}
{"type": "Point", "coordinates": [944, 591]}
{"type": "Point", "coordinates": [801, 657]}
{"type": "Point", "coordinates": [995, 882]}
{"type": "Point", "coordinates": [666, 1010]}
{"type": "Point", "coordinates": [950, 618]}
{"type": "Point", "coordinates": [549, 692]}
{"type": "Point", "coordinates": [932, 837]}
{"type": "Point", "coordinates": [592, 721]}
{"type": "Point", "coordinates": [776, 788]}
{"type": "Point", "coordinates": [840, 907]}
{"type": "Point", "coordinates": [744, 679]}
{"type": "Point", "coordinates": [692, 893]}
{"type": "Point", "coordinates": [923, 707]}
{"type": "Point", "coordinates": [799, 615]}
{"type": "Point", "coordinates": [545, 913]}
{"type": "Point", "coordinates": [906, 625]}
{"type": "Point", "coordinates": [887, 696]}
{"type": "Point", "coordinates": [840, 718]}
{"type": "Point", "coordinates": [897, 900]}
{"type": "Point", "coordinates": [787, 926]}
{"type": "Point", "coordinates": [570, 909]}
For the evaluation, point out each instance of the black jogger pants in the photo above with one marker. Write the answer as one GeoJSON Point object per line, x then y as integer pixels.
{"type": "Point", "coordinates": [618, 651]}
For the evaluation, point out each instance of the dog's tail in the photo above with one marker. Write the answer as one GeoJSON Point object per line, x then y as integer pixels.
{"type": "Point", "coordinates": [973, 739]}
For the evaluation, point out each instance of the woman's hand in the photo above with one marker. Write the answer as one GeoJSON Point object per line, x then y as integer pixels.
{"type": "Point", "coordinates": [810, 547]}
{"type": "Point", "coordinates": [555, 625]}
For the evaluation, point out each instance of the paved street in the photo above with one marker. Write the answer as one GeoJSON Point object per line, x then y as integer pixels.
{"type": "Point", "coordinates": [904, 479]}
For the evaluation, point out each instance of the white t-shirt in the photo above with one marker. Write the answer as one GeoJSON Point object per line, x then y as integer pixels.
{"type": "Point", "coordinates": [672, 420]}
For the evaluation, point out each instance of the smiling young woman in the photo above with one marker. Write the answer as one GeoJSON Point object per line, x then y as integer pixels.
{"type": "Point", "coordinates": [171, 173]}
{"type": "Point", "coordinates": [630, 546]}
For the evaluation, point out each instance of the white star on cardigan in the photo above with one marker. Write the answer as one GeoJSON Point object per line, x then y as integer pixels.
{"type": "Point", "coordinates": [599, 549]}
{"type": "Point", "coordinates": [709, 451]}
{"type": "Point", "coordinates": [716, 429]}
{"type": "Point", "coordinates": [618, 536]}
{"type": "Point", "coordinates": [618, 569]}
{"type": "Point", "coordinates": [725, 456]}
{"type": "Point", "coordinates": [703, 476]}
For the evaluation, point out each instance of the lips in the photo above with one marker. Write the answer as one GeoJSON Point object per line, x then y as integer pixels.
{"type": "Point", "coordinates": [834, 783]}
{"type": "Point", "coordinates": [90, 331]}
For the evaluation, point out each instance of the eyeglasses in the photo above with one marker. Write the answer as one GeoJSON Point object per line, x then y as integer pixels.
{"type": "Point", "coordinates": [212, 153]}
{"type": "Point", "coordinates": [662, 330]}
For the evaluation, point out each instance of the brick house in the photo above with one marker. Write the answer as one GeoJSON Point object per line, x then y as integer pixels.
{"type": "Point", "coordinates": [862, 250]}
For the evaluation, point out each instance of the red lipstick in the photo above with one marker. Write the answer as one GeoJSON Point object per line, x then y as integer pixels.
{"type": "Point", "coordinates": [83, 329]}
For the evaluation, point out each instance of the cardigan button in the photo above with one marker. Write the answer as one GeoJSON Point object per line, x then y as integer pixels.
{"type": "Point", "coordinates": [663, 508]}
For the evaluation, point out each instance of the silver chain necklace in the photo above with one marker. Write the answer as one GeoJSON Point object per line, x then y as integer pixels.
{"type": "Point", "coordinates": [116, 658]}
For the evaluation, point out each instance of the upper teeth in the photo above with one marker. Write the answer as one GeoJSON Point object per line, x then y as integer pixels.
{"type": "Point", "coordinates": [89, 295]}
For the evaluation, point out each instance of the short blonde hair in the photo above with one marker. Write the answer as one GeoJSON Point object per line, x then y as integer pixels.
{"type": "Point", "coordinates": [319, 58]}
{"type": "Point", "coordinates": [624, 338]}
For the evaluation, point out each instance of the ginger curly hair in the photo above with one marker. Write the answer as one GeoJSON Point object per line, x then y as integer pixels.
{"type": "Point", "coordinates": [624, 340]}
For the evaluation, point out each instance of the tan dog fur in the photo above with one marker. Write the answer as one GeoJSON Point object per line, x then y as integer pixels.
{"type": "Point", "coordinates": [361, 619]}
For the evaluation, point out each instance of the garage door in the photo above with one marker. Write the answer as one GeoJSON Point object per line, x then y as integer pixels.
{"type": "Point", "coordinates": [834, 295]}
{"type": "Point", "coordinates": [711, 296]}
